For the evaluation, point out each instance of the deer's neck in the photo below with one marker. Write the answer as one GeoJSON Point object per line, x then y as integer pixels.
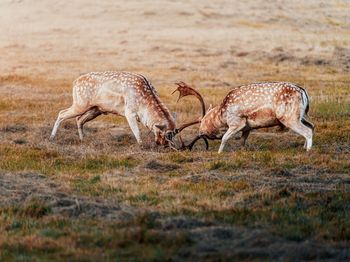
{"type": "Point", "coordinates": [213, 121]}
{"type": "Point", "coordinates": [219, 118]}
{"type": "Point", "coordinates": [156, 113]}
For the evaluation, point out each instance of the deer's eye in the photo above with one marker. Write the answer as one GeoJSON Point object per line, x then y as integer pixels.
{"type": "Point", "coordinates": [169, 136]}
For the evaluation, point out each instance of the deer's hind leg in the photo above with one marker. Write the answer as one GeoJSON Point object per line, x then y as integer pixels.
{"type": "Point", "coordinates": [307, 123]}
{"type": "Point", "coordinates": [64, 115]}
{"type": "Point", "coordinates": [245, 134]}
{"type": "Point", "coordinates": [232, 130]}
{"type": "Point", "coordinates": [302, 129]}
{"type": "Point", "coordinates": [86, 117]}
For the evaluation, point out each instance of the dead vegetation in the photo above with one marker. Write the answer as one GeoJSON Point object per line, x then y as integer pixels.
{"type": "Point", "coordinates": [269, 200]}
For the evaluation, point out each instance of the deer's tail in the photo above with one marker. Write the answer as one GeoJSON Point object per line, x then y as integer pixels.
{"type": "Point", "coordinates": [306, 107]}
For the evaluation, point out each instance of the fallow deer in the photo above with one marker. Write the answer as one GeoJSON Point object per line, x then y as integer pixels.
{"type": "Point", "coordinates": [256, 106]}
{"type": "Point", "coordinates": [126, 94]}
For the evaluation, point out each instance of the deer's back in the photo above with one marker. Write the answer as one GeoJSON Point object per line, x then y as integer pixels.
{"type": "Point", "coordinates": [112, 91]}
{"type": "Point", "coordinates": [267, 94]}
{"type": "Point", "coordinates": [111, 85]}
{"type": "Point", "coordinates": [262, 104]}
{"type": "Point", "coordinates": [121, 82]}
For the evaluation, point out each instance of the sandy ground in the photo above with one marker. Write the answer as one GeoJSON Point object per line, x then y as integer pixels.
{"type": "Point", "coordinates": [67, 38]}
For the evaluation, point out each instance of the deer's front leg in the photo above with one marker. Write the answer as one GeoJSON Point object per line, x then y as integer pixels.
{"type": "Point", "coordinates": [132, 120]}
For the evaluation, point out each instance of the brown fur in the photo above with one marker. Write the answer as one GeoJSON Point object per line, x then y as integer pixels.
{"type": "Point", "coordinates": [256, 106]}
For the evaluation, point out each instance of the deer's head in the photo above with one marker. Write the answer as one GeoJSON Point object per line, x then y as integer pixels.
{"type": "Point", "coordinates": [165, 134]}
{"type": "Point", "coordinates": [211, 126]}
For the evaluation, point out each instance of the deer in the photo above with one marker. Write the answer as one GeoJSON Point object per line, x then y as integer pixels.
{"type": "Point", "coordinates": [254, 106]}
{"type": "Point", "coordinates": [125, 94]}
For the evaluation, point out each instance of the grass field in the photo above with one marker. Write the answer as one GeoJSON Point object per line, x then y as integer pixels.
{"type": "Point", "coordinates": [107, 198]}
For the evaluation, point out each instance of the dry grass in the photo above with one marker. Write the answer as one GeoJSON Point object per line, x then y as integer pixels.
{"type": "Point", "coordinates": [67, 200]}
{"type": "Point", "coordinates": [272, 183]}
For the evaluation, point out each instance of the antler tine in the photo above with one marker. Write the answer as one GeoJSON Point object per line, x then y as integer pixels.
{"type": "Point", "coordinates": [186, 90]}
{"type": "Point", "coordinates": [180, 88]}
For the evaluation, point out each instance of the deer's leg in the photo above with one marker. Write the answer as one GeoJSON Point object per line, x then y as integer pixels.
{"type": "Point", "coordinates": [245, 135]}
{"type": "Point", "coordinates": [80, 128]}
{"type": "Point", "coordinates": [307, 123]}
{"type": "Point", "coordinates": [303, 130]}
{"type": "Point", "coordinates": [233, 129]}
{"type": "Point", "coordinates": [88, 116]}
{"type": "Point", "coordinates": [63, 115]}
{"type": "Point", "coordinates": [132, 120]}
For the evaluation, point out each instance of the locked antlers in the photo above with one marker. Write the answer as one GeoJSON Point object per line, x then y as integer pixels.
{"type": "Point", "coordinates": [186, 90]}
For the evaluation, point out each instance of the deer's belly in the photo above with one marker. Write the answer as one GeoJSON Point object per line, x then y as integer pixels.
{"type": "Point", "coordinates": [114, 104]}
{"type": "Point", "coordinates": [262, 118]}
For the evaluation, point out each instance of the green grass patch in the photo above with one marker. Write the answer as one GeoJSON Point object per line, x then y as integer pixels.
{"type": "Point", "coordinates": [16, 158]}
{"type": "Point", "coordinates": [331, 110]}
{"type": "Point", "coordinates": [293, 215]}
{"type": "Point", "coordinates": [151, 198]}
{"type": "Point", "coordinates": [51, 238]}
{"type": "Point", "coordinates": [94, 187]}
{"type": "Point", "coordinates": [225, 166]}
{"type": "Point", "coordinates": [179, 157]}
{"type": "Point", "coordinates": [34, 209]}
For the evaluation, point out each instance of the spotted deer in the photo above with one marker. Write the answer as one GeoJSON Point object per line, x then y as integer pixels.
{"type": "Point", "coordinates": [256, 106]}
{"type": "Point", "coordinates": [125, 94]}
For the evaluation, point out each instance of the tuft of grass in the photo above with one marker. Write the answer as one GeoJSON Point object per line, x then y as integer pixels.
{"type": "Point", "coordinates": [180, 158]}
{"type": "Point", "coordinates": [266, 158]}
{"type": "Point", "coordinates": [93, 186]}
{"type": "Point", "coordinates": [34, 209]}
{"type": "Point", "coordinates": [151, 198]}
{"type": "Point", "coordinates": [52, 233]}
{"type": "Point", "coordinates": [94, 165]}
{"type": "Point", "coordinates": [225, 166]}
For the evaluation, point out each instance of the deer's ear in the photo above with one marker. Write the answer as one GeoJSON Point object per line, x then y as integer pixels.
{"type": "Point", "coordinates": [161, 127]}
{"type": "Point", "coordinates": [174, 115]}
{"type": "Point", "coordinates": [210, 108]}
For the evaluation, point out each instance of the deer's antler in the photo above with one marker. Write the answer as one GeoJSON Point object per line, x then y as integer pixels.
{"type": "Point", "coordinates": [190, 145]}
{"type": "Point", "coordinates": [186, 90]}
